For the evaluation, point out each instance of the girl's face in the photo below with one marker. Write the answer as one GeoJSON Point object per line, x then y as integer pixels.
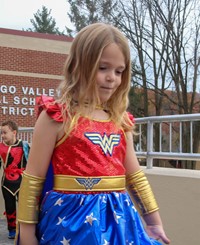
{"type": "Point", "coordinates": [109, 74]}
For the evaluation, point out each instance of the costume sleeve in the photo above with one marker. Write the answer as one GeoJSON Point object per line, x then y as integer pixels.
{"type": "Point", "coordinates": [49, 104]}
{"type": "Point", "coordinates": [131, 117]}
{"type": "Point", "coordinates": [26, 149]}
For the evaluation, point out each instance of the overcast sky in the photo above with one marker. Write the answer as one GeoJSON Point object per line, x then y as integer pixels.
{"type": "Point", "coordinates": [16, 14]}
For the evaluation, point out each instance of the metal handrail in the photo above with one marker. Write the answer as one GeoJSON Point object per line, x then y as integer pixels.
{"type": "Point", "coordinates": [149, 122]}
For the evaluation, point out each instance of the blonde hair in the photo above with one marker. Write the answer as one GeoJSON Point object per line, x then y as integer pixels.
{"type": "Point", "coordinates": [80, 72]}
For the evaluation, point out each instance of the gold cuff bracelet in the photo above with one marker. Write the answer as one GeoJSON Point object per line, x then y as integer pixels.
{"type": "Point", "coordinates": [29, 197]}
{"type": "Point", "coordinates": [141, 193]}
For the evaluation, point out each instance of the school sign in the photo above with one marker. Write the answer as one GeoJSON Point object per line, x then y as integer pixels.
{"type": "Point", "coordinates": [31, 64]}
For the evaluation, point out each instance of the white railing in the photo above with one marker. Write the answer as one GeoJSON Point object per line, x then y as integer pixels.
{"type": "Point", "coordinates": [26, 134]}
{"type": "Point", "coordinates": [171, 137]}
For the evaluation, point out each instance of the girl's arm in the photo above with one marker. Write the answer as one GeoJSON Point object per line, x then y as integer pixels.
{"type": "Point", "coordinates": [46, 133]}
{"type": "Point", "coordinates": [153, 221]}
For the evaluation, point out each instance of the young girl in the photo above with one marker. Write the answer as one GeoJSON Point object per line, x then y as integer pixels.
{"type": "Point", "coordinates": [86, 134]}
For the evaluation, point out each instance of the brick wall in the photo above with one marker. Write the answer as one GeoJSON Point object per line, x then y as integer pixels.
{"type": "Point", "coordinates": [13, 59]}
{"type": "Point", "coordinates": [28, 71]}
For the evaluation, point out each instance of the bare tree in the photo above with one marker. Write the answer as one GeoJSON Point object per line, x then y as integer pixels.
{"type": "Point", "coordinates": [83, 13]}
{"type": "Point", "coordinates": [165, 45]}
{"type": "Point", "coordinates": [184, 61]}
{"type": "Point", "coordinates": [165, 39]}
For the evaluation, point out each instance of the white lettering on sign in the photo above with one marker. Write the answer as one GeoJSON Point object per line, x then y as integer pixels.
{"type": "Point", "coordinates": [7, 89]}
{"type": "Point", "coordinates": [24, 101]}
{"type": "Point", "coordinates": [16, 111]}
{"type": "Point", "coordinates": [32, 101]}
{"type": "Point", "coordinates": [3, 100]}
{"type": "Point", "coordinates": [16, 100]}
{"type": "Point", "coordinates": [37, 91]}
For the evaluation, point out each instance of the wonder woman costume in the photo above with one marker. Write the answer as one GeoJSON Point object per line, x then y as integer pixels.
{"type": "Point", "coordinates": [88, 204]}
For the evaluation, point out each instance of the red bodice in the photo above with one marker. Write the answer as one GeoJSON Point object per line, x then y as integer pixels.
{"type": "Point", "coordinates": [94, 148]}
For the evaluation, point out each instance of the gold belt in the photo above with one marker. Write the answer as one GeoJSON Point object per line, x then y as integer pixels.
{"type": "Point", "coordinates": [90, 183]}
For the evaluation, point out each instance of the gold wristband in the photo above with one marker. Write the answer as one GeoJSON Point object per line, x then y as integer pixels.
{"type": "Point", "coordinates": [29, 195]}
{"type": "Point", "coordinates": [141, 193]}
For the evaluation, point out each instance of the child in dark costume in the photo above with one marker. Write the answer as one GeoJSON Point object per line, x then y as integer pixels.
{"type": "Point", "coordinates": [86, 134]}
{"type": "Point", "coordinates": [13, 158]}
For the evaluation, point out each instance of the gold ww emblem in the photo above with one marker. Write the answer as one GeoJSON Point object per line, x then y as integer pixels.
{"type": "Point", "coordinates": [106, 143]}
{"type": "Point", "coordinates": [88, 182]}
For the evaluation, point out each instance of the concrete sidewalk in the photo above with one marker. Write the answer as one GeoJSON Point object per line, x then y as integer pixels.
{"type": "Point", "coordinates": [4, 233]}
{"type": "Point", "coordinates": [3, 225]}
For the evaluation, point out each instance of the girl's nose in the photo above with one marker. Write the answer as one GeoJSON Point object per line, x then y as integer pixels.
{"type": "Point", "coordinates": [111, 76]}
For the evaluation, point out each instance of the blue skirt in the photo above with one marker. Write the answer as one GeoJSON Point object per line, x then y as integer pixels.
{"type": "Point", "coordinates": [90, 219]}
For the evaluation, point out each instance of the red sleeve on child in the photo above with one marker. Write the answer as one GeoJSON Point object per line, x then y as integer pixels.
{"type": "Point", "coordinates": [48, 104]}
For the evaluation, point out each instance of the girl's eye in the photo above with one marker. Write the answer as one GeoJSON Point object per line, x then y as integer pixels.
{"type": "Point", "coordinates": [119, 72]}
{"type": "Point", "coordinates": [102, 68]}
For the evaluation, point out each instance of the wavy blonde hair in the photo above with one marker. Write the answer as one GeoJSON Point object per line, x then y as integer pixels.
{"type": "Point", "coordinates": [80, 72]}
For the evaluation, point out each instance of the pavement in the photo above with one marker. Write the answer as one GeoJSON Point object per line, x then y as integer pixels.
{"type": "Point", "coordinates": [3, 224]}
{"type": "Point", "coordinates": [4, 233]}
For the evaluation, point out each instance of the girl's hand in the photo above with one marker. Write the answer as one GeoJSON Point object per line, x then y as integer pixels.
{"type": "Point", "coordinates": [157, 232]}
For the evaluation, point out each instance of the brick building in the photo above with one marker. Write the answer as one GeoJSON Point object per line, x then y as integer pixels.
{"type": "Point", "coordinates": [31, 64]}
